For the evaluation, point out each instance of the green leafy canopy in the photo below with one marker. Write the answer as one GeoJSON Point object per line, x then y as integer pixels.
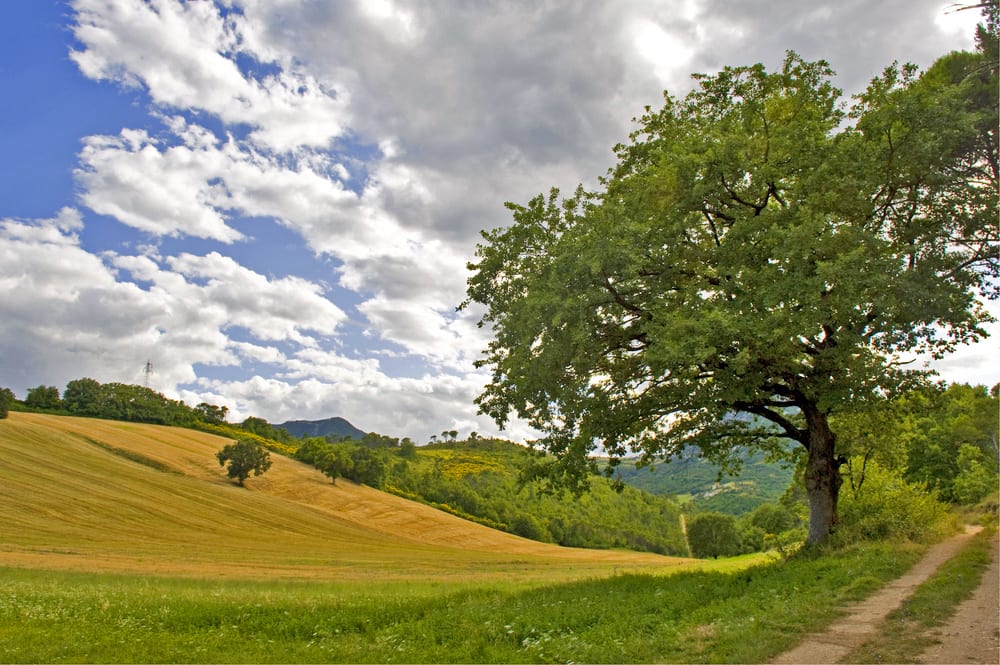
{"type": "Point", "coordinates": [759, 248]}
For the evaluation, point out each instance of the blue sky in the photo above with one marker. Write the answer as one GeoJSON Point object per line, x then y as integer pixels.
{"type": "Point", "coordinates": [273, 202]}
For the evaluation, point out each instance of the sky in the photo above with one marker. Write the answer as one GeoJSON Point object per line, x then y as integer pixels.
{"type": "Point", "coordinates": [273, 202]}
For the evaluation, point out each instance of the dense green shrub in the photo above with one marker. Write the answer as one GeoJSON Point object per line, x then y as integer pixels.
{"type": "Point", "coordinates": [43, 398]}
{"type": "Point", "coordinates": [774, 518]}
{"type": "Point", "coordinates": [974, 479]}
{"type": "Point", "coordinates": [880, 504]}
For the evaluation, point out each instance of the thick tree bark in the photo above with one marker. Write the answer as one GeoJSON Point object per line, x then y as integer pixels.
{"type": "Point", "coordinates": [822, 477]}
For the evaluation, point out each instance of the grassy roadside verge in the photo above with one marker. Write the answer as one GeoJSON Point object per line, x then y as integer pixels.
{"type": "Point", "coordinates": [904, 634]}
{"type": "Point", "coordinates": [745, 615]}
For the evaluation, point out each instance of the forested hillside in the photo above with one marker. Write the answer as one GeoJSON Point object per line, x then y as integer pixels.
{"type": "Point", "coordinates": [695, 479]}
{"type": "Point", "coordinates": [481, 480]}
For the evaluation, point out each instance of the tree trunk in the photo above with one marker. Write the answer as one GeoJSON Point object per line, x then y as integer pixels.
{"type": "Point", "coordinates": [822, 477]}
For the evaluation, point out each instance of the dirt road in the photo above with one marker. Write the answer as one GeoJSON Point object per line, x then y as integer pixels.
{"type": "Point", "coordinates": [972, 635]}
{"type": "Point", "coordinates": [970, 639]}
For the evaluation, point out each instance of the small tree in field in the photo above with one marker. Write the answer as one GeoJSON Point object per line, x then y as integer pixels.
{"type": "Point", "coordinates": [244, 457]}
{"type": "Point", "coordinates": [335, 463]}
{"type": "Point", "coordinates": [713, 535]}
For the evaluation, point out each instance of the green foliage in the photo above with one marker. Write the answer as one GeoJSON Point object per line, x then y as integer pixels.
{"type": "Point", "coordinates": [265, 430]}
{"type": "Point", "coordinates": [974, 480]}
{"type": "Point", "coordinates": [485, 478]}
{"type": "Point", "coordinates": [244, 457]}
{"type": "Point", "coordinates": [376, 440]}
{"type": "Point", "coordinates": [751, 253]}
{"type": "Point", "coordinates": [360, 462]}
{"type": "Point", "coordinates": [482, 480]}
{"type": "Point", "coordinates": [7, 398]}
{"type": "Point", "coordinates": [83, 397]}
{"type": "Point", "coordinates": [773, 518]}
{"type": "Point", "coordinates": [771, 527]}
{"type": "Point", "coordinates": [935, 424]}
{"type": "Point", "coordinates": [757, 481]}
{"type": "Point", "coordinates": [368, 466]}
{"type": "Point", "coordinates": [925, 432]}
{"type": "Point", "coordinates": [714, 535]}
{"type": "Point", "coordinates": [44, 398]}
{"type": "Point", "coordinates": [335, 463]}
{"type": "Point", "coordinates": [120, 401]}
{"type": "Point", "coordinates": [210, 413]}
{"type": "Point", "coordinates": [311, 450]}
{"type": "Point", "coordinates": [408, 450]}
{"type": "Point", "coordinates": [880, 504]}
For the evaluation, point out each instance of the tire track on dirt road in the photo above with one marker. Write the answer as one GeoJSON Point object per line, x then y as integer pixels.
{"type": "Point", "coordinates": [863, 618]}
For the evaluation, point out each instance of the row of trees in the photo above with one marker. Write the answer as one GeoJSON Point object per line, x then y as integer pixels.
{"type": "Point", "coordinates": [119, 401]}
{"type": "Point", "coordinates": [770, 526]}
{"type": "Point", "coordinates": [357, 462]}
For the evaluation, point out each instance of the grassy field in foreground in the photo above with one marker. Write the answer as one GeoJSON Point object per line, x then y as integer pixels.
{"type": "Point", "coordinates": [700, 616]}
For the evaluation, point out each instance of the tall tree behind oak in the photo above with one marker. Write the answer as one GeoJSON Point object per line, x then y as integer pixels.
{"type": "Point", "coordinates": [756, 250]}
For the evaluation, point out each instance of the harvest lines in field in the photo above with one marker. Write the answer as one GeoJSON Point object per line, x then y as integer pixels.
{"type": "Point", "coordinates": [90, 494]}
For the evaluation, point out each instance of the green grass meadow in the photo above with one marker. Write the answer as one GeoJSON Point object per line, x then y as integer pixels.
{"type": "Point", "coordinates": [739, 615]}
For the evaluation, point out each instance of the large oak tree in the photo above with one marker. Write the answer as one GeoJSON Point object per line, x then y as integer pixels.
{"type": "Point", "coordinates": [761, 257]}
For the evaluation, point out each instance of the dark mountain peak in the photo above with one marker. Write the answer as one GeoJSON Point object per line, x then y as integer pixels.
{"type": "Point", "coordinates": [329, 427]}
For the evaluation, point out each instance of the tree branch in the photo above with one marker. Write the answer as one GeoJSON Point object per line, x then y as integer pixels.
{"type": "Point", "coordinates": [786, 425]}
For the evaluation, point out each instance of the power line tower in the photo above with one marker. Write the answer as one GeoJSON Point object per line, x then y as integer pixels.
{"type": "Point", "coordinates": [147, 370]}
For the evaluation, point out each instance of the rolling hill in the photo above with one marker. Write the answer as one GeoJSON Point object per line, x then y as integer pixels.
{"type": "Point", "coordinates": [87, 494]}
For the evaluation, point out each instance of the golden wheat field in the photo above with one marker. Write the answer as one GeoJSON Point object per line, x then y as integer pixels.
{"type": "Point", "coordinates": [94, 495]}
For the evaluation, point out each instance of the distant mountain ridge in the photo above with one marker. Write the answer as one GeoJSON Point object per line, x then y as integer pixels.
{"type": "Point", "coordinates": [329, 427]}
